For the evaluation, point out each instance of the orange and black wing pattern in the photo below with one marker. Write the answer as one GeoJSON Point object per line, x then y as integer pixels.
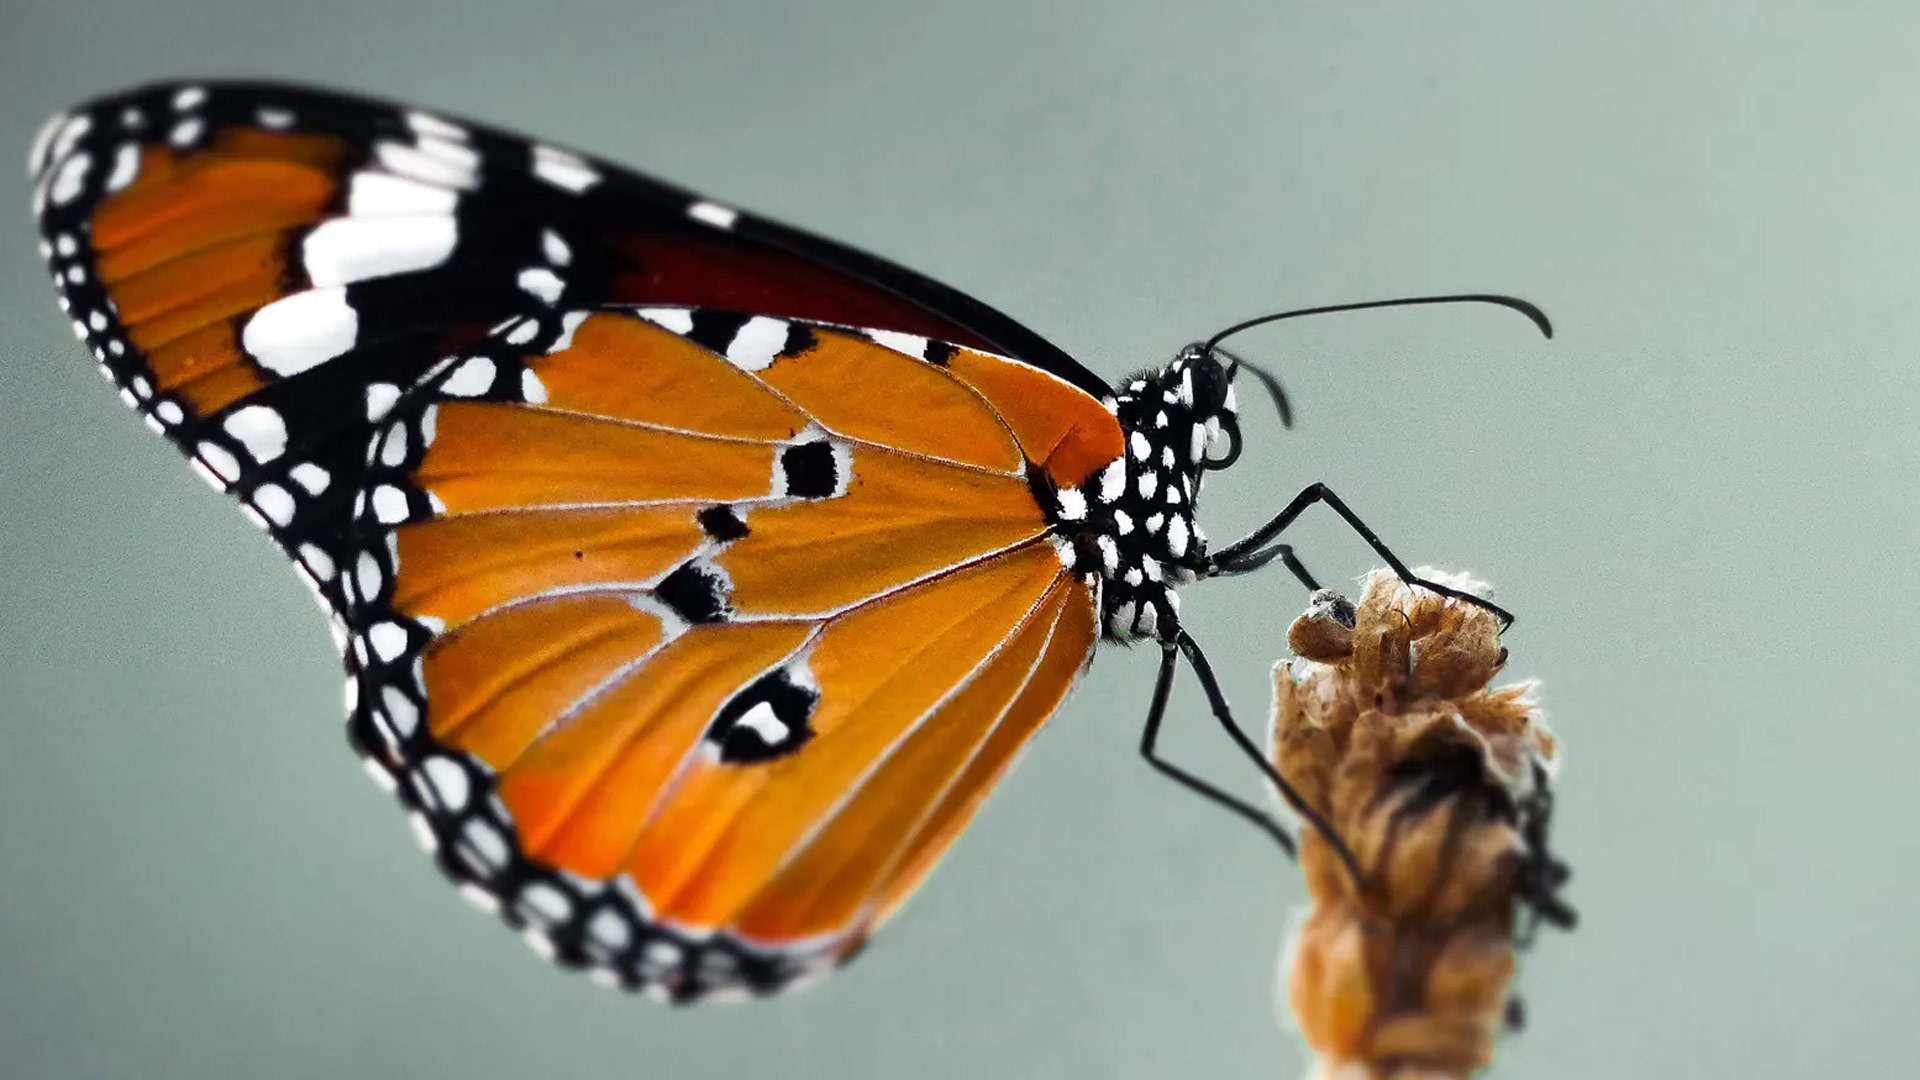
{"type": "Point", "coordinates": [691, 624]}
{"type": "Point", "coordinates": [693, 641]}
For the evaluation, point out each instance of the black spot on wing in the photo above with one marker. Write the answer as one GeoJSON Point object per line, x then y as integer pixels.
{"type": "Point", "coordinates": [810, 470]}
{"type": "Point", "coordinates": [939, 353]}
{"type": "Point", "coordinates": [722, 523]}
{"type": "Point", "coordinates": [696, 593]}
{"type": "Point", "coordinates": [800, 339]}
{"type": "Point", "coordinates": [715, 330]}
{"type": "Point", "coordinates": [768, 719]}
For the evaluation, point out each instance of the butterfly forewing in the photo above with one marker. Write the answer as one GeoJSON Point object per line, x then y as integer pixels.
{"type": "Point", "coordinates": [690, 623]}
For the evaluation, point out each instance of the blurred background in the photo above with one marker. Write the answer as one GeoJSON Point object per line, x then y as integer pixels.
{"type": "Point", "coordinates": [1700, 499]}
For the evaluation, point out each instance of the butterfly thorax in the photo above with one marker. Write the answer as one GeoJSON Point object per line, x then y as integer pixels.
{"type": "Point", "coordinates": [1132, 523]}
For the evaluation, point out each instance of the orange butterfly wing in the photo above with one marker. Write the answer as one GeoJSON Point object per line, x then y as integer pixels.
{"type": "Point", "coordinates": [703, 692]}
{"type": "Point", "coordinates": [691, 638]}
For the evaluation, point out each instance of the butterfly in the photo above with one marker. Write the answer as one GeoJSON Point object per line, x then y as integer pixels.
{"type": "Point", "coordinates": [695, 577]}
{"type": "Point", "coordinates": [1440, 788]}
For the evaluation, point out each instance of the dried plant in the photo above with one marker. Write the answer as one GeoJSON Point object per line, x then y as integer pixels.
{"type": "Point", "coordinates": [1438, 785]}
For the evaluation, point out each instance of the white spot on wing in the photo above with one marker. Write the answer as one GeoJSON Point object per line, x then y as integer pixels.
{"type": "Point", "coordinates": [720, 217]}
{"type": "Point", "coordinates": [563, 170]}
{"type": "Point", "coordinates": [423, 832]}
{"type": "Point", "coordinates": [470, 379]}
{"type": "Point", "coordinates": [301, 331]}
{"type": "Point", "coordinates": [317, 561]}
{"type": "Point", "coordinates": [380, 398]}
{"type": "Point", "coordinates": [187, 131]}
{"type": "Point", "coordinates": [69, 178]}
{"type": "Point", "coordinates": [676, 320]}
{"type": "Point", "coordinates": [309, 476]}
{"type": "Point", "coordinates": [393, 446]}
{"type": "Point", "coordinates": [126, 166]}
{"type": "Point", "coordinates": [532, 390]}
{"type": "Point", "coordinates": [762, 721]}
{"type": "Point", "coordinates": [389, 504]}
{"type": "Point", "coordinates": [542, 946]}
{"type": "Point", "coordinates": [400, 709]}
{"type": "Point", "coordinates": [448, 780]}
{"type": "Point", "coordinates": [39, 151]}
{"type": "Point", "coordinates": [388, 639]}
{"type": "Point", "coordinates": [274, 119]}
{"type": "Point", "coordinates": [378, 194]}
{"type": "Point", "coordinates": [273, 501]}
{"type": "Point", "coordinates": [434, 161]}
{"type": "Point", "coordinates": [260, 429]}
{"type": "Point", "coordinates": [756, 343]}
{"type": "Point", "coordinates": [912, 344]}
{"type": "Point", "coordinates": [608, 930]}
{"type": "Point", "coordinates": [488, 847]}
{"type": "Point", "coordinates": [541, 282]}
{"type": "Point", "coordinates": [378, 773]}
{"type": "Point", "coordinates": [367, 578]}
{"type": "Point", "coordinates": [71, 133]}
{"type": "Point", "coordinates": [189, 97]}
{"type": "Point", "coordinates": [569, 325]}
{"type": "Point", "coordinates": [431, 125]}
{"type": "Point", "coordinates": [218, 459]}
{"type": "Point", "coordinates": [352, 249]}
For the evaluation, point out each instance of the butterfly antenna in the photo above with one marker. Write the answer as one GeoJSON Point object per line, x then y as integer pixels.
{"type": "Point", "coordinates": [1534, 314]}
{"type": "Point", "coordinates": [1267, 379]}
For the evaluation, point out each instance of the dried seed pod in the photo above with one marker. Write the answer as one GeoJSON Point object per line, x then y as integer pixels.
{"type": "Point", "coordinates": [1438, 784]}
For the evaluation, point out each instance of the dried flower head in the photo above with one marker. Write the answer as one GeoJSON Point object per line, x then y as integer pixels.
{"type": "Point", "coordinates": [1438, 785]}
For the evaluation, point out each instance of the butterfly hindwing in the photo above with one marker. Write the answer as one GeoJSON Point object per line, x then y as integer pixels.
{"type": "Point", "coordinates": [731, 679]}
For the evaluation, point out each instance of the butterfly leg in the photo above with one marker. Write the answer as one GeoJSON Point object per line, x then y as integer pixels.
{"type": "Point", "coordinates": [1254, 551]}
{"type": "Point", "coordinates": [1282, 552]}
{"type": "Point", "coordinates": [1149, 741]}
{"type": "Point", "coordinates": [1217, 701]}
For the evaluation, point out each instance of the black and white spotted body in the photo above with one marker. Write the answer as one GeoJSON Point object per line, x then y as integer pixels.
{"type": "Point", "coordinates": [1133, 523]}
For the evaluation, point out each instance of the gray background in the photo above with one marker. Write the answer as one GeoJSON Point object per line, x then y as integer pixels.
{"type": "Point", "coordinates": [1701, 499]}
